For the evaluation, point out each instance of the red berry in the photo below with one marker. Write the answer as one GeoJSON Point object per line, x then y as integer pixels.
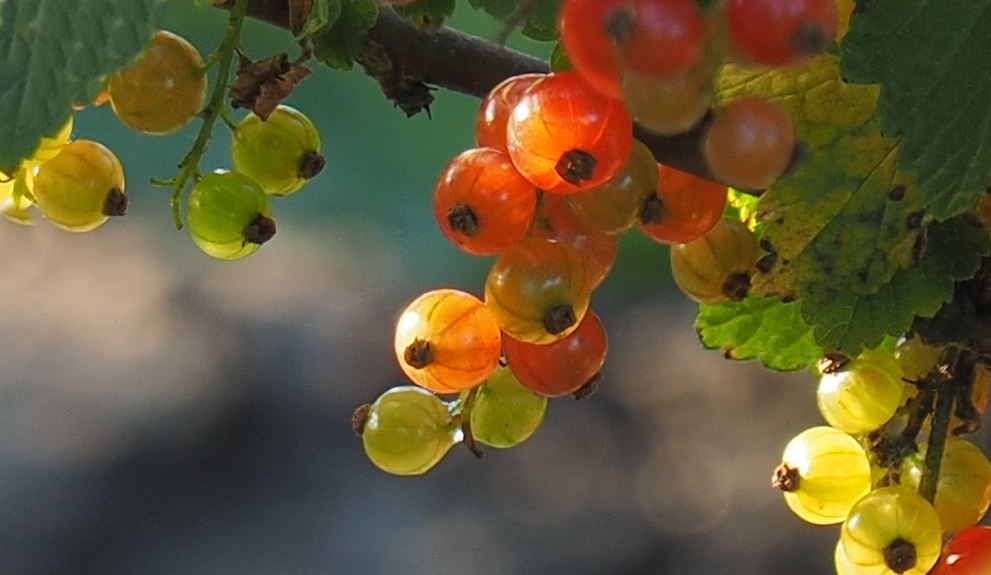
{"type": "Point", "coordinates": [658, 38]}
{"type": "Point", "coordinates": [684, 208]}
{"type": "Point", "coordinates": [584, 26]}
{"type": "Point", "coordinates": [565, 137]}
{"type": "Point", "coordinates": [556, 222]}
{"type": "Point", "coordinates": [750, 143]}
{"type": "Point", "coordinates": [782, 32]}
{"type": "Point", "coordinates": [490, 126]}
{"type": "Point", "coordinates": [482, 204]}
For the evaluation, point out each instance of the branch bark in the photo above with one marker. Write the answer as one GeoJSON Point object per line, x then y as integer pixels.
{"type": "Point", "coordinates": [456, 61]}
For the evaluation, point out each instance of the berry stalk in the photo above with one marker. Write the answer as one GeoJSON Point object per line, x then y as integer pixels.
{"type": "Point", "coordinates": [189, 167]}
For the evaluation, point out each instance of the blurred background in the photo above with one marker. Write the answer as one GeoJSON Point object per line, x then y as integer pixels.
{"type": "Point", "coordinates": [164, 413]}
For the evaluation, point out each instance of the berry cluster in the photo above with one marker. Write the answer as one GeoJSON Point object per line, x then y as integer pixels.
{"type": "Point", "coordinates": [78, 185]}
{"type": "Point", "coordinates": [555, 177]}
{"type": "Point", "coordinates": [868, 470]}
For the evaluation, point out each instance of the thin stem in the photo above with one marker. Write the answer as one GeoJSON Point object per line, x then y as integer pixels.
{"type": "Point", "coordinates": [937, 440]}
{"type": "Point", "coordinates": [465, 404]}
{"type": "Point", "coordinates": [189, 167]}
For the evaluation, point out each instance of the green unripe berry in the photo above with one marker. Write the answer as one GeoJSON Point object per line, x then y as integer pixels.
{"type": "Point", "coordinates": [229, 216]}
{"type": "Point", "coordinates": [281, 153]}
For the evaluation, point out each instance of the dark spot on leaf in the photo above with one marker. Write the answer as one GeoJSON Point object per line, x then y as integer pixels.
{"type": "Point", "coordinates": [914, 219]}
{"type": "Point", "coordinates": [766, 263]}
{"type": "Point", "coordinates": [897, 194]}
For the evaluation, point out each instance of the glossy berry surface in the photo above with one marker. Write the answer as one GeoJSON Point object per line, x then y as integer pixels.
{"type": "Point", "coordinates": [164, 90]}
{"type": "Point", "coordinates": [565, 137]}
{"type": "Point", "coordinates": [782, 32]}
{"type": "Point", "coordinates": [228, 215]}
{"type": "Point", "coordinates": [862, 395]}
{"type": "Point", "coordinates": [81, 188]}
{"type": "Point", "coordinates": [716, 267]}
{"type": "Point", "coordinates": [892, 530]}
{"type": "Point", "coordinates": [281, 153]}
{"type": "Point", "coordinates": [659, 38]}
{"type": "Point", "coordinates": [963, 491]}
{"type": "Point", "coordinates": [407, 431]}
{"type": "Point", "coordinates": [481, 203]}
{"type": "Point", "coordinates": [447, 341]}
{"type": "Point", "coordinates": [505, 413]}
{"type": "Point", "coordinates": [584, 27]}
{"type": "Point", "coordinates": [498, 104]}
{"type": "Point", "coordinates": [823, 473]}
{"type": "Point", "coordinates": [564, 366]}
{"type": "Point", "coordinates": [537, 291]}
{"type": "Point", "coordinates": [749, 143]}
{"type": "Point", "coordinates": [966, 553]}
{"type": "Point", "coordinates": [684, 208]}
{"type": "Point", "coordinates": [614, 206]}
{"type": "Point", "coordinates": [556, 222]}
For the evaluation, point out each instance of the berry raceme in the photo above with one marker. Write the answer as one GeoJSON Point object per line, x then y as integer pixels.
{"type": "Point", "coordinates": [164, 90]}
{"type": "Point", "coordinates": [281, 153]}
{"type": "Point", "coordinates": [228, 215]}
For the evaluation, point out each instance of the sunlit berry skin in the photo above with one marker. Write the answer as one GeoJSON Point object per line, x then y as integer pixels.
{"type": "Point", "coordinates": [661, 38]}
{"type": "Point", "coordinates": [556, 222]}
{"type": "Point", "coordinates": [716, 267]}
{"type": "Point", "coordinates": [966, 553]}
{"type": "Point", "coordinates": [407, 431]}
{"type": "Point", "coordinates": [280, 153]}
{"type": "Point", "coordinates": [749, 143]}
{"type": "Point", "coordinates": [164, 90]}
{"type": "Point", "coordinates": [561, 367]}
{"type": "Point", "coordinates": [963, 490]}
{"type": "Point", "coordinates": [614, 206]}
{"type": "Point", "coordinates": [537, 291]}
{"type": "Point", "coordinates": [505, 413]}
{"type": "Point", "coordinates": [887, 518]}
{"type": "Point", "coordinates": [228, 215]}
{"type": "Point", "coordinates": [782, 32]}
{"type": "Point", "coordinates": [447, 341]}
{"type": "Point", "coordinates": [684, 208]}
{"type": "Point", "coordinates": [482, 204]}
{"type": "Point", "coordinates": [80, 188]}
{"type": "Point", "coordinates": [592, 51]}
{"type": "Point", "coordinates": [498, 104]}
{"type": "Point", "coordinates": [565, 137]}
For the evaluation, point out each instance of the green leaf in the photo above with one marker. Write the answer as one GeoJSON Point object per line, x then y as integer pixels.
{"type": "Point", "coordinates": [759, 328]}
{"type": "Point", "coordinates": [559, 60]}
{"type": "Point", "coordinates": [56, 54]}
{"type": "Point", "coordinates": [931, 59]}
{"type": "Point", "coordinates": [846, 221]}
{"type": "Point", "coordinates": [323, 13]}
{"type": "Point", "coordinates": [428, 14]}
{"type": "Point", "coordinates": [538, 17]}
{"type": "Point", "coordinates": [338, 45]}
{"type": "Point", "coordinates": [848, 322]}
